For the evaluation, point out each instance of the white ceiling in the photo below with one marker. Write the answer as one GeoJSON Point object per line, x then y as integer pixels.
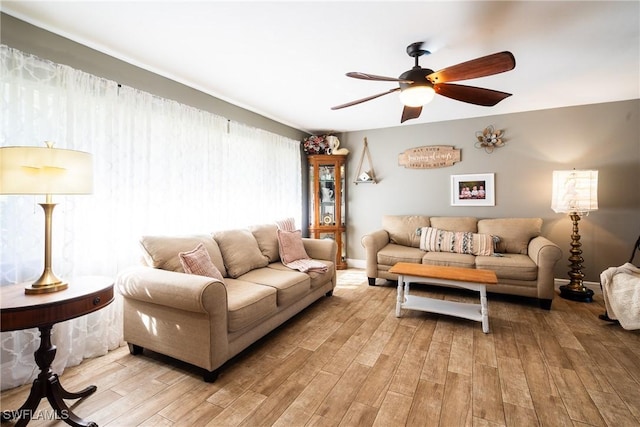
{"type": "Point", "coordinates": [287, 60]}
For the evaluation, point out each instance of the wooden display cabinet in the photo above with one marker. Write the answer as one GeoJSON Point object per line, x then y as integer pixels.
{"type": "Point", "coordinates": [327, 207]}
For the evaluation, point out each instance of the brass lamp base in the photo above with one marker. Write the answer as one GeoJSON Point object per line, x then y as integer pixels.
{"type": "Point", "coordinates": [575, 290]}
{"type": "Point", "coordinates": [48, 281]}
{"type": "Point", "coordinates": [35, 289]}
{"type": "Point", "coordinates": [580, 294]}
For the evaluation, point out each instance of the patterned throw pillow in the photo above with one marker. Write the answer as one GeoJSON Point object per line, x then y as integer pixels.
{"type": "Point", "coordinates": [436, 240]}
{"type": "Point", "coordinates": [198, 261]}
{"type": "Point", "coordinates": [291, 247]}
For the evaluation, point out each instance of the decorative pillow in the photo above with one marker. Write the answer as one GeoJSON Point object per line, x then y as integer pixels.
{"type": "Point", "coordinates": [436, 240]}
{"type": "Point", "coordinates": [240, 252]}
{"type": "Point", "coordinates": [198, 261]}
{"type": "Point", "coordinates": [287, 224]}
{"type": "Point", "coordinates": [291, 247]}
{"type": "Point", "coordinates": [162, 251]}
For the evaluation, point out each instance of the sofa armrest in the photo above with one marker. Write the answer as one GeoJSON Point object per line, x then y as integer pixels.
{"type": "Point", "coordinates": [372, 244]}
{"type": "Point", "coordinates": [543, 251]}
{"type": "Point", "coordinates": [545, 254]}
{"type": "Point", "coordinates": [182, 291]}
{"type": "Point", "coordinates": [325, 249]}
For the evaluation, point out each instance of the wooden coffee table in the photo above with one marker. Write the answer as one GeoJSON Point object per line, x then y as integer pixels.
{"type": "Point", "coordinates": [467, 278]}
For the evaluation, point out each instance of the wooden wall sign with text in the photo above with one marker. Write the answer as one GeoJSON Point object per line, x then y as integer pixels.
{"type": "Point", "coordinates": [429, 157]}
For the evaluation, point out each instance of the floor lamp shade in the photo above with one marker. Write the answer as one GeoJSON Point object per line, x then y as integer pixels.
{"type": "Point", "coordinates": [47, 171]}
{"type": "Point", "coordinates": [575, 192]}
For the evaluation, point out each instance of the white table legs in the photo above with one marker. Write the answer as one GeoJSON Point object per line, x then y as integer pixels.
{"type": "Point", "coordinates": [477, 312]}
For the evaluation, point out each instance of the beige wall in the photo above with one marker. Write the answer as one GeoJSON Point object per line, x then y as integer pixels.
{"type": "Point", "coordinates": [603, 136]}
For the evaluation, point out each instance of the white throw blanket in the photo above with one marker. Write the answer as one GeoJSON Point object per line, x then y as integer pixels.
{"type": "Point", "coordinates": [621, 291]}
{"type": "Point", "coordinates": [305, 265]}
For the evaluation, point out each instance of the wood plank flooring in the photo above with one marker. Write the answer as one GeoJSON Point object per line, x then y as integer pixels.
{"type": "Point", "coordinates": [348, 361]}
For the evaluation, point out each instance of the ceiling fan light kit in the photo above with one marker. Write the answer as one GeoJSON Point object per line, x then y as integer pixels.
{"type": "Point", "coordinates": [417, 96]}
{"type": "Point", "coordinates": [419, 85]}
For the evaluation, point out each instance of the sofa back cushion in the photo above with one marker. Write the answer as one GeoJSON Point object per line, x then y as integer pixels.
{"type": "Point", "coordinates": [455, 223]}
{"type": "Point", "coordinates": [402, 229]}
{"type": "Point", "coordinates": [267, 238]}
{"type": "Point", "coordinates": [514, 233]}
{"type": "Point", "coordinates": [240, 251]}
{"type": "Point", "coordinates": [162, 251]}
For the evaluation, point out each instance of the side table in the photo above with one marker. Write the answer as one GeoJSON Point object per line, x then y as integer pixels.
{"type": "Point", "coordinates": [20, 311]}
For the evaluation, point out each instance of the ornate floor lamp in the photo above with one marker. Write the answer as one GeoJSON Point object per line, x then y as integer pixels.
{"type": "Point", "coordinates": [48, 171]}
{"type": "Point", "coordinates": [575, 192]}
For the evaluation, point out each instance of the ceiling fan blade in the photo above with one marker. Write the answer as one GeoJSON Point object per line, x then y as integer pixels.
{"type": "Point", "coordinates": [479, 67]}
{"type": "Point", "coordinates": [368, 98]}
{"type": "Point", "coordinates": [409, 113]}
{"type": "Point", "coordinates": [365, 76]}
{"type": "Point", "coordinates": [471, 94]}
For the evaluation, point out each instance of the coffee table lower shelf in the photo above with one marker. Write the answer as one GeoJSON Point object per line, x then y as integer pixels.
{"type": "Point", "coordinates": [450, 308]}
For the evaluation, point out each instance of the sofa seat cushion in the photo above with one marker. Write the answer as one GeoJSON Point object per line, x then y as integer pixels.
{"type": "Point", "coordinates": [248, 303]}
{"type": "Point", "coordinates": [290, 285]}
{"type": "Point", "coordinates": [448, 259]}
{"type": "Point", "coordinates": [392, 254]}
{"type": "Point", "coordinates": [509, 266]}
{"type": "Point", "coordinates": [317, 279]}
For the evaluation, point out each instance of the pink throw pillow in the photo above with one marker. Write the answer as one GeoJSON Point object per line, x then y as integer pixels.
{"type": "Point", "coordinates": [198, 261]}
{"type": "Point", "coordinates": [291, 247]}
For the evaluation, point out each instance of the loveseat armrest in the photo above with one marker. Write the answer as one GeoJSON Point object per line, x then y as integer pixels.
{"type": "Point", "coordinates": [545, 254]}
{"type": "Point", "coordinates": [182, 291]}
{"type": "Point", "coordinates": [373, 243]}
{"type": "Point", "coordinates": [325, 249]}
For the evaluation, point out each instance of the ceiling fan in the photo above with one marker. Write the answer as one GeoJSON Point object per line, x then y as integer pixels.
{"type": "Point", "coordinates": [418, 85]}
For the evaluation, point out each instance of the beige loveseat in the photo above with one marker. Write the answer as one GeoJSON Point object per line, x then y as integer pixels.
{"type": "Point", "coordinates": [522, 259]}
{"type": "Point", "coordinates": [204, 321]}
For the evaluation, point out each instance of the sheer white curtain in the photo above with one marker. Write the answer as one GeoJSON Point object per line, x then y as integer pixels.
{"type": "Point", "coordinates": [160, 167]}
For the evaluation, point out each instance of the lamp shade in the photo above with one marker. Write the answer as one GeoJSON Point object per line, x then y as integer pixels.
{"type": "Point", "coordinates": [575, 191]}
{"type": "Point", "coordinates": [417, 96]}
{"type": "Point", "coordinates": [43, 170]}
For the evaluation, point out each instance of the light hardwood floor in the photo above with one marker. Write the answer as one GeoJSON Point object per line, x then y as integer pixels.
{"type": "Point", "coordinates": [348, 361]}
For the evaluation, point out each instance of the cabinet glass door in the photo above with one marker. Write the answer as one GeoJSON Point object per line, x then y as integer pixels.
{"type": "Point", "coordinates": [327, 201]}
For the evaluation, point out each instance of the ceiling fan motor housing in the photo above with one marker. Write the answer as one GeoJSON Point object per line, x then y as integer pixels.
{"type": "Point", "coordinates": [418, 76]}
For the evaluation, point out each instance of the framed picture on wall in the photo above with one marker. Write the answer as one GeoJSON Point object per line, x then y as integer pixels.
{"type": "Point", "coordinates": [473, 190]}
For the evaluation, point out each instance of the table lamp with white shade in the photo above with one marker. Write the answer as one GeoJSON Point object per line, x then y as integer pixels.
{"type": "Point", "coordinates": [47, 171]}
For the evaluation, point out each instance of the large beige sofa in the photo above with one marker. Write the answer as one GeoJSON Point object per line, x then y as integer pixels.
{"type": "Point", "coordinates": [523, 260]}
{"type": "Point", "coordinates": [204, 321]}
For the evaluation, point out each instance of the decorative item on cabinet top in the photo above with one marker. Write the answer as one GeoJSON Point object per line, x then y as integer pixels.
{"type": "Point", "coordinates": [323, 144]}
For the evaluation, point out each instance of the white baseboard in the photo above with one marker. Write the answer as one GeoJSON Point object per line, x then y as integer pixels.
{"type": "Point", "coordinates": [594, 286]}
{"type": "Point", "coordinates": [356, 263]}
